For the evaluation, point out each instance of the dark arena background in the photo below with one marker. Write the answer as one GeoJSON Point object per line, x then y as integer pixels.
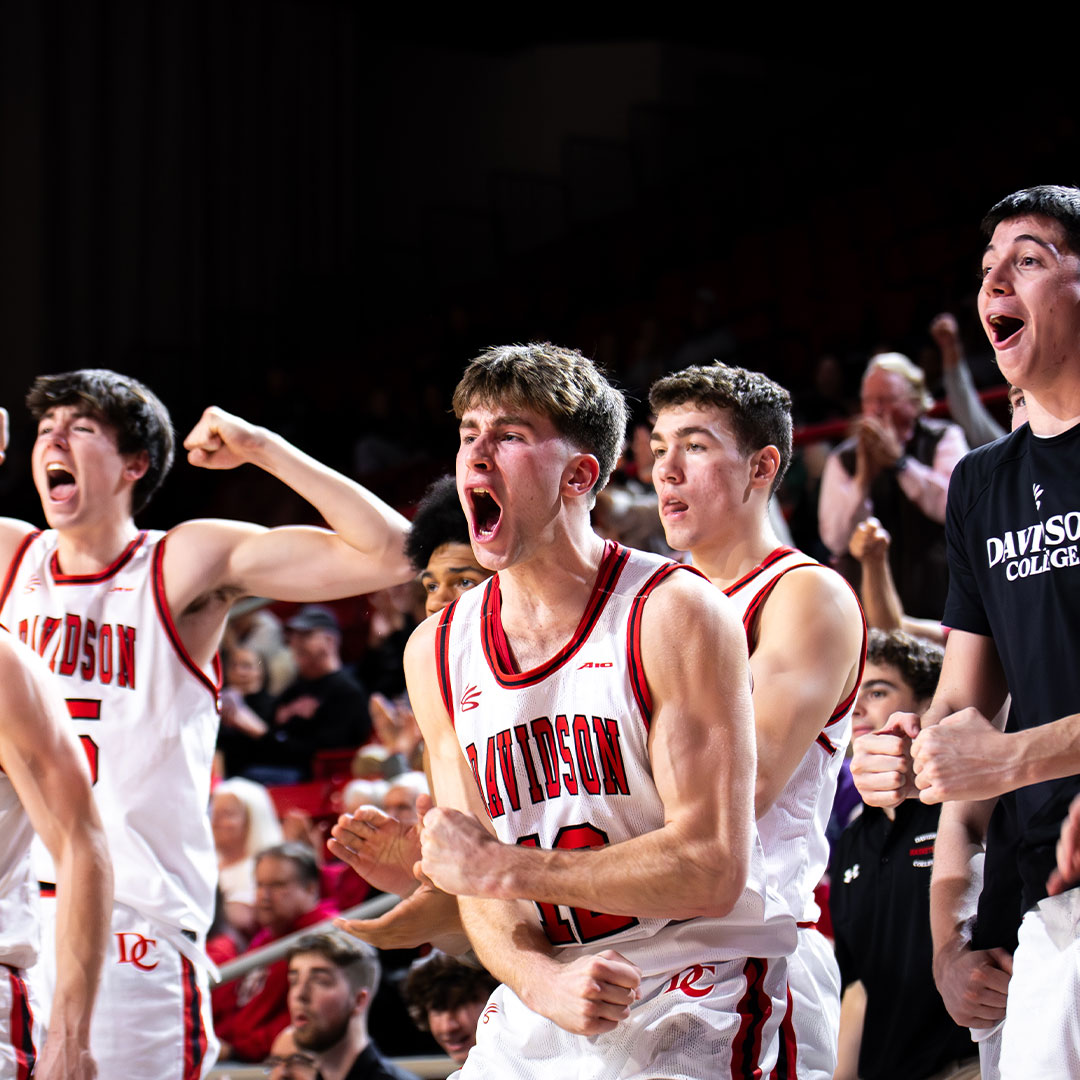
{"type": "Point", "coordinates": [267, 205]}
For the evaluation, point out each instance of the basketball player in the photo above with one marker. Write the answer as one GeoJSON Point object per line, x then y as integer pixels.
{"type": "Point", "coordinates": [591, 706]}
{"type": "Point", "coordinates": [45, 788]}
{"type": "Point", "coordinates": [130, 621]}
{"type": "Point", "coordinates": [721, 444]}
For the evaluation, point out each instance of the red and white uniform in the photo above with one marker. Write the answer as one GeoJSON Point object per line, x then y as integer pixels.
{"type": "Point", "coordinates": [793, 835]}
{"type": "Point", "coordinates": [560, 755]}
{"type": "Point", "coordinates": [147, 717]}
{"type": "Point", "coordinates": [18, 936]}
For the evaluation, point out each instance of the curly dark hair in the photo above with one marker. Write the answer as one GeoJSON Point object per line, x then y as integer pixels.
{"type": "Point", "coordinates": [133, 411]}
{"type": "Point", "coordinates": [439, 520]}
{"type": "Point", "coordinates": [917, 661]}
{"type": "Point", "coordinates": [443, 983]}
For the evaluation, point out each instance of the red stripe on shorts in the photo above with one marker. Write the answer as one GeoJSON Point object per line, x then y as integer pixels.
{"type": "Point", "coordinates": [22, 1028]}
{"type": "Point", "coordinates": [194, 1035]}
{"type": "Point", "coordinates": [788, 1057]}
{"type": "Point", "coordinates": [753, 1011]}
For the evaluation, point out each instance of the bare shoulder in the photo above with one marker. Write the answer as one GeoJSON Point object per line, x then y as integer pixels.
{"type": "Point", "coordinates": [806, 587]}
{"type": "Point", "coordinates": [688, 622]}
{"type": "Point", "coordinates": [12, 533]}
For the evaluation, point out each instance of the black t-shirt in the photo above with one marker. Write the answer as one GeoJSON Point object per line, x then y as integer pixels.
{"type": "Point", "coordinates": [371, 1065]}
{"type": "Point", "coordinates": [879, 898]}
{"type": "Point", "coordinates": [1013, 532]}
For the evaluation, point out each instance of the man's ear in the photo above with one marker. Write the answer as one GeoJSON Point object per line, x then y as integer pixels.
{"type": "Point", "coordinates": [582, 472]}
{"type": "Point", "coordinates": [136, 464]}
{"type": "Point", "coordinates": [361, 1000]}
{"type": "Point", "coordinates": [764, 465]}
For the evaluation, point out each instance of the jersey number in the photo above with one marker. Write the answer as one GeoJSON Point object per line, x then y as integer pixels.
{"type": "Point", "coordinates": [87, 709]}
{"type": "Point", "coordinates": [590, 925]}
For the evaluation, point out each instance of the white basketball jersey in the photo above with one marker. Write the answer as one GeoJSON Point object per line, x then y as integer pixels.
{"type": "Point", "coordinates": [793, 829]}
{"type": "Point", "coordinates": [560, 755]}
{"type": "Point", "coordinates": [144, 711]}
{"type": "Point", "coordinates": [18, 889]}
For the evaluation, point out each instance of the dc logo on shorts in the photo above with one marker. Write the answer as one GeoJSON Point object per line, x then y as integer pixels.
{"type": "Point", "coordinates": [685, 981]}
{"type": "Point", "coordinates": [134, 951]}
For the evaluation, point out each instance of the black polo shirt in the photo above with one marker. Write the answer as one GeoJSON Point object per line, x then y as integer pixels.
{"type": "Point", "coordinates": [880, 902]}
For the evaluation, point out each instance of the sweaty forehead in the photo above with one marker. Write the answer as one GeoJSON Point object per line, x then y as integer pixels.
{"type": "Point", "coordinates": [673, 420]}
{"type": "Point", "coordinates": [1019, 229]}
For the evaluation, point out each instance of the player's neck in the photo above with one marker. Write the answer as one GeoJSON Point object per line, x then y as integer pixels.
{"type": "Point", "coordinates": [87, 549]}
{"type": "Point", "coordinates": [1052, 410]}
{"type": "Point", "coordinates": [735, 553]}
{"type": "Point", "coordinates": [544, 598]}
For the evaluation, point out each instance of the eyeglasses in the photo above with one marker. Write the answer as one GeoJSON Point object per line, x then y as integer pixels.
{"type": "Point", "coordinates": [298, 1062]}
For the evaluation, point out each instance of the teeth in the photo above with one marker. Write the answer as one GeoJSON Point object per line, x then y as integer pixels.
{"type": "Point", "coordinates": [55, 466]}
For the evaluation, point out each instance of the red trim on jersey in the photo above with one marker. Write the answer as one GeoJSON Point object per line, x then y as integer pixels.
{"type": "Point", "coordinates": [753, 1011]}
{"type": "Point", "coordinates": [16, 559]}
{"type": "Point", "coordinates": [847, 703]}
{"type": "Point", "coordinates": [635, 666]}
{"type": "Point", "coordinates": [442, 658]}
{"type": "Point", "coordinates": [162, 605]}
{"type": "Point", "coordinates": [769, 560]}
{"type": "Point", "coordinates": [493, 637]}
{"type": "Point", "coordinates": [787, 1060]}
{"type": "Point", "coordinates": [121, 560]}
{"type": "Point", "coordinates": [758, 602]}
{"type": "Point", "coordinates": [826, 744]}
{"type": "Point", "coordinates": [22, 1027]}
{"type": "Point", "coordinates": [194, 1035]}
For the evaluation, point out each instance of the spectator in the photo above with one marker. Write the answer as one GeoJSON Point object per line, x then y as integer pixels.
{"type": "Point", "coordinates": [332, 979]}
{"type": "Point", "coordinates": [895, 467]}
{"type": "Point", "coordinates": [324, 708]}
{"type": "Point", "coordinates": [248, 1013]}
{"type": "Point", "coordinates": [244, 822]}
{"type": "Point", "coordinates": [880, 901]}
{"type": "Point", "coordinates": [287, 1061]}
{"type": "Point", "coordinates": [447, 998]}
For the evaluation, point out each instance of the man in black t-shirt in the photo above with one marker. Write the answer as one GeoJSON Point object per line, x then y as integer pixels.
{"type": "Point", "coordinates": [1013, 530]}
{"type": "Point", "coordinates": [879, 898]}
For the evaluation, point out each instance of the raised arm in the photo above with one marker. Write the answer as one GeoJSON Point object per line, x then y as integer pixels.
{"type": "Point", "coordinates": [701, 746]}
{"type": "Point", "coordinates": [807, 660]}
{"type": "Point", "coordinates": [208, 564]}
{"type": "Point", "coordinates": [48, 770]}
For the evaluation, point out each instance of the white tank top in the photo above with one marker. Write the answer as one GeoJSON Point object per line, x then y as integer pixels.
{"type": "Point", "coordinates": [793, 829]}
{"type": "Point", "coordinates": [560, 755]}
{"type": "Point", "coordinates": [18, 889]}
{"type": "Point", "coordinates": [145, 712]}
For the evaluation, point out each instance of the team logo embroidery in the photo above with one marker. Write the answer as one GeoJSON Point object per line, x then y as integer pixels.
{"type": "Point", "coordinates": [134, 951]}
{"type": "Point", "coordinates": [685, 981]}
{"type": "Point", "coordinates": [851, 873]}
{"type": "Point", "coordinates": [596, 664]}
{"type": "Point", "coordinates": [489, 1014]}
{"type": "Point", "coordinates": [1037, 491]}
{"type": "Point", "coordinates": [32, 584]}
{"type": "Point", "coordinates": [122, 588]}
{"type": "Point", "coordinates": [470, 699]}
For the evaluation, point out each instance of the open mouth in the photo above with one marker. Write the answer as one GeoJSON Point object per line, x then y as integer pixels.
{"type": "Point", "coordinates": [1004, 327]}
{"type": "Point", "coordinates": [61, 482]}
{"type": "Point", "coordinates": [486, 513]}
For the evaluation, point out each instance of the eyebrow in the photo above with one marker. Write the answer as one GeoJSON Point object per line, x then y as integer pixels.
{"type": "Point", "coordinates": [467, 569]}
{"type": "Point", "coordinates": [681, 433]}
{"type": "Point", "coordinates": [499, 421]}
{"type": "Point", "coordinates": [1029, 237]}
{"type": "Point", "coordinates": [880, 682]}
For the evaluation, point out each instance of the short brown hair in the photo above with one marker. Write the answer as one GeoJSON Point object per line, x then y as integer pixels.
{"type": "Point", "coordinates": [357, 961]}
{"type": "Point", "coordinates": [760, 408]}
{"type": "Point", "coordinates": [133, 411]}
{"type": "Point", "coordinates": [561, 384]}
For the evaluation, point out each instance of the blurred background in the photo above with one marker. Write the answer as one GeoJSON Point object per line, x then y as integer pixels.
{"type": "Point", "coordinates": [272, 206]}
